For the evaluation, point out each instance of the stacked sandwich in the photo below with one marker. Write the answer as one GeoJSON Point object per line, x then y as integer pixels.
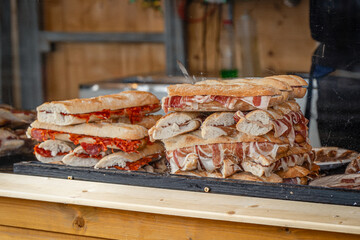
{"type": "Point", "coordinates": [102, 132]}
{"type": "Point", "coordinates": [250, 129]}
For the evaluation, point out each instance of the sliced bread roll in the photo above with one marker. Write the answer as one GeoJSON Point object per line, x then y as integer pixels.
{"type": "Point", "coordinates": [121, 159]}
{"type": "Point", "coordinates": [80, 158]}
{"type": "Point", "coordinates": [174, 124]}
{"type": "Point", "coordinates": [218, 124]}
{"type": "Point", "coordinates": [69, 112]}
{"type": "Point", "coordinates": [52, 150]}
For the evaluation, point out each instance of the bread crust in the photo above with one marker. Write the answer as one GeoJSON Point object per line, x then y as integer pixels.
{"type": "Point", "coordinates": [297, 84]}
{"type": "Point", "coordinates": [221, 88]}
{"type": "Point", "coordinates": [272, 82]}
{"type": "Point", "coordinates": [292, 80]}
{"type": "Point", "coordinates": [121, 100]}
{"type": "Point", "coordinates": [49, 159]}
{"type": "Point", "coordinates": [174, 124]}
{"type": "Point", "coordinates": [147, 121]}
{"type": "Point", "coordinates": [120, 158]}
{"type": "Point", "coordinates": [101, 129]}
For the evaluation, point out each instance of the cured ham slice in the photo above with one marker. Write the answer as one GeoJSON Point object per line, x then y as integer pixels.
{"type": "Point", "coordinates": [225, 156]}
{"type": "Point", "coordinates": [228, 102]}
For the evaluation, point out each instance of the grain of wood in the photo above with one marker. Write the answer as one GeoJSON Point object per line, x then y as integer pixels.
{"type": "Point", "coordinates": [175, 203]}
{"type": "Point", "coordinates": [100, 16]}
{"type": "Point", "coordinates": [14, 233]}
{"type": "Point", "coordinates": [118, 224]}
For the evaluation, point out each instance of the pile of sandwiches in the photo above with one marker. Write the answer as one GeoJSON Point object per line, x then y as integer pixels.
{"type": "Point", "coordinates": [13, 125]}
{"type": "Point", "coordinates": [248, 129]}
{"type": "Point", "coordinates": [109, 131]}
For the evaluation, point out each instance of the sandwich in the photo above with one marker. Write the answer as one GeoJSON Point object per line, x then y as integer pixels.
{"type": "Point", "coordinates": [9, 141]}
{"type": "Point", "coordinates": [298, 84]}
{"type": "Point", "coordinates": [175, 124]}
{"type": "Point", "coordinates": [80, 158]}
{"type": "Point", "coordinates": [220, 95]}
{"type": "Point", "coordinates": [132, 161]}
{"type": "Point", "coordinates": [52, 150]}
{"type": "Point", "coordinates": [285, 119]}
{"type": "Point", "coordinates": [93, 137]}
{"type": "Point", "coordinates": [131, 104]}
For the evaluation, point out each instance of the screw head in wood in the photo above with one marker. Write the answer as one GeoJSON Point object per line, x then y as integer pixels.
{"type": "Point", "coordinates": [206, 189]}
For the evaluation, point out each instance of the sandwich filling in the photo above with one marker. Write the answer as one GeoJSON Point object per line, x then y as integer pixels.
{"type": "Point", "coordinates": [47, 153]}
{"type": "Point", "coordinates": [98, 143]}
{"type": "Point", "coordinates": [290, 125]}
{"type": "Point", "coordinates": [228, 102]}
{"type": "Point", "coordinates": [133, 166]}
{"type": "Point", "coordinates": [135, 114]}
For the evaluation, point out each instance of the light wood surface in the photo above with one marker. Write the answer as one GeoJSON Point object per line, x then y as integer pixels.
{"type": "Point", "coordinates": [182, 203]}
{"type": "Point", "coordinates": [61, 220]}
{"type": "Point", "coordinates": [14, 233]}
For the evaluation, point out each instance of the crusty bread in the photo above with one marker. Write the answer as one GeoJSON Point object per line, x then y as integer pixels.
{"type": "Point", "coordinates": [210, 129]}
{"type": "Point", "coordinates": [54, 146]}
{"type": "Point", "coordinates": [195, 138]}
{"type": "Point", "coordinates": [292, 172]}
{"type": "Point", "coordinates": [72, 160]}
{"type": "Point", "coordinates": [259, 122]}
{"type": "Point", "coordinates": [100, 129]}
{"type": "Point", "coordinates": [121, 158]}
{"type": "Point", "coordinates": [222, 88]}
{"type": "Point", "coordinates": [49, 159]}
{"type": "Point", "coordinates": [174, 124]}
{"type": "Point", "coordinates": [121, 100]}
{"type": "Point", "coordinates": [292, 80]}
{"type": "Point", "coordinates": [255, 123]}
{"type": "Point", "coordinates": [147, 121]}
{"type": "Point", "coordinates": [297, 83]}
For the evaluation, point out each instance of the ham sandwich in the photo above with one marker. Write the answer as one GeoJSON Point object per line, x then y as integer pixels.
{"type": "Point", "coordinates": [132, 104]}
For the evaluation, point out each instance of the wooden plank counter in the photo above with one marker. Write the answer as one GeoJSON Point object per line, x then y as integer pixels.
{"type": "Point", "coordinates": [43, 208]}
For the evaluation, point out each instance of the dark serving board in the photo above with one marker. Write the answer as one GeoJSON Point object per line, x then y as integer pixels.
{"type": "Point", "coordinates": [197, 184]}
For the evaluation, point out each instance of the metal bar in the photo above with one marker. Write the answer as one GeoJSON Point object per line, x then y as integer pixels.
{"type": "Point", "coordinates": [103, 37]}
{"type": "Point", "coordinates": [29, 52]}
{"type": "Point", "coordinates": [6, 56]}
{"type": "Point", "coordinates": [174, 38]}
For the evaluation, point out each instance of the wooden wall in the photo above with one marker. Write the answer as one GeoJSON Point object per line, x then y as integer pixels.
{"type": "Point", "coordinates": [283, 35]}
{"type": "Point", "coordinates": [74, 63]}
{"type": "Point", "coordinates": [284, 42]}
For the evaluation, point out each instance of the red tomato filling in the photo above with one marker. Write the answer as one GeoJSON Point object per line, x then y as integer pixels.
{"type": "Point", "coordinates": [100, 143]}
{"type": "Point", "coordinates": [135, 114]}
{"type": "Point", "coordinates": [46, 153]}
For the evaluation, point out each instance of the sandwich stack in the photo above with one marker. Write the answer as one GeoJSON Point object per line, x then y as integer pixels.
{"type": "Point", "coordinates": [250, 129]}
{"type": "Point", "coordinates": [104, 132]}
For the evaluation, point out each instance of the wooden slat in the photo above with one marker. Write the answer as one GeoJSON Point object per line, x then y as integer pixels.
{"type": "Point", "coordinates": [182, 203]}
{"type": "Point", "coordinates": [117, 224]}
{"type": "Point", "coordinates": [283, 36]}
{"type": "Point", "coordinates": [100, 16]}
{"type": "Point", "coordinates": [14, 233]}
{"type": "Point", "coordinates": [293, 192]}
{"type": "Point", "coordinates": [75, 63]}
